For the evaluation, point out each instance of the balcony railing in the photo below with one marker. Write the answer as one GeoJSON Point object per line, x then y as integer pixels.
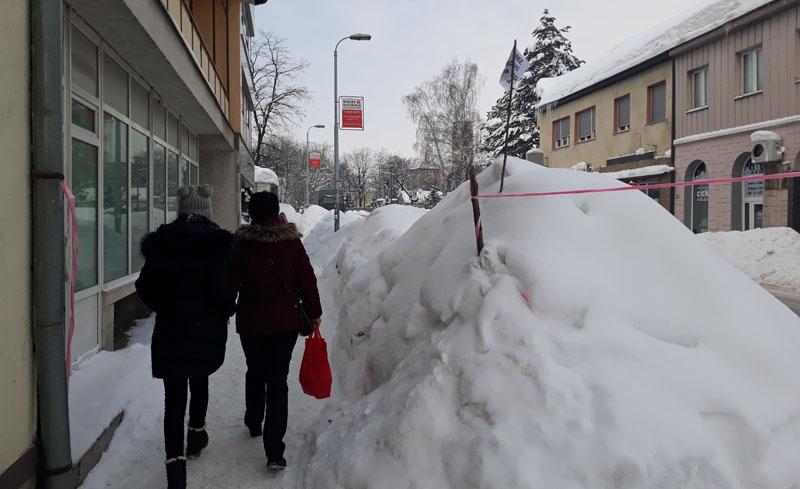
{"type": "Point", "coordinates": [187, 26]}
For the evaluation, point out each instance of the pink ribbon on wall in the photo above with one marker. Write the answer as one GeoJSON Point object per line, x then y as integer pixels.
{"type": "Point", "coordinates": [73, 230]}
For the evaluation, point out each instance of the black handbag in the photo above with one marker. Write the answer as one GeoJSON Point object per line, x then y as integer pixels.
{"type": "Point", "coordinates": [304, 319]}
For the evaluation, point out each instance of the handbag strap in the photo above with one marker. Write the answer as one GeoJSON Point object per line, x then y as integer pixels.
{"type": "Point", "coordinates": [292, 296]}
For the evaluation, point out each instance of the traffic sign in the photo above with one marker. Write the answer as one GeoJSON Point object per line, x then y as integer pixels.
{"type": "Point", "coordinates": [314, 160]}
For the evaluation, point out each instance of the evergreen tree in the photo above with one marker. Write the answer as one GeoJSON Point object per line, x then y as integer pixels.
{"type": "Point", "coordinates": [550, 56]}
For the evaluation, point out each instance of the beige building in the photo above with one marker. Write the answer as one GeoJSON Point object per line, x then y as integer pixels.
{"type": "Point", "coordinates": [134, 99]}
{"type": "Point", "coordinates": [741, 78]}
{"type": "Point", "coordinates": [17, 387]}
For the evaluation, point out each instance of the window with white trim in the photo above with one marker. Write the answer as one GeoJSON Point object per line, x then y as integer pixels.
{"type": "Point", "coordinates": [561, 133]}
{"type": "Point", "coordinates": [699, 88]}
{"type": "Point", "coordinates": [753, 71]}
{"type": "Point", "coordinates": [586, 125]}
{"type": "Point", "coordinates": [622, 111]}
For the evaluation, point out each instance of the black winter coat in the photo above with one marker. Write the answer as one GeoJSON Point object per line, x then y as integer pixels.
{"type": "Point", "coordinates": [187, 281]}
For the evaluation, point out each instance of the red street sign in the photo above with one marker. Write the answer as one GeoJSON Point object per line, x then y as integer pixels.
{"type": "Point", "coordinates": [352, 113]}
{"type": "Point", "coordinates": [314, 160]}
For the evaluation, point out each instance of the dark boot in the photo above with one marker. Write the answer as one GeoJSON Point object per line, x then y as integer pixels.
{"type": "Point", "coordinates": [276, 464]}
{"type": "Point", "coordinates": [196, 441]}
{"type": "Point", "coordinates": [255, 428]}
{"type": "Point", "coordinates": [176, 473]}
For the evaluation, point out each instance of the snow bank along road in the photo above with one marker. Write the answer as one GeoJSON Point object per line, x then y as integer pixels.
{"type": "Point", "coordinates": [596, 343]}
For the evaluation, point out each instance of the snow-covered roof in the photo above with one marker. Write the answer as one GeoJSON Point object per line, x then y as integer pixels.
{"type": "Point", "coordinates": [701, 19]}
{"type": "Point", "coordinates": [265, 175]}
{"type": "Point", "coordinates": [647, 171]}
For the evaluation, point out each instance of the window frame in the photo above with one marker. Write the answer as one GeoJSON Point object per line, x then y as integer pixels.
{"type": "Point", "coordinates": [693, 76]}
{"type": "Point", "coordinates": [650, 119]}
{"type": "Point", "coordinates": [579, 139]}
{"type": "Point", "coordinates": [758, 51]}
{"type": "Point", "coordinates": [617, 127]}
{"type": "Point", "coordinates": [556, 141]}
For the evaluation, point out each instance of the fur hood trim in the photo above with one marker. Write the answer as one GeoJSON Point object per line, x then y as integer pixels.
{"type": "Point", "coordinates": [269, 234]}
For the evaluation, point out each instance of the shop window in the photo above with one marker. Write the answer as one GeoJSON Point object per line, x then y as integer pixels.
{"type": "Point", "coordinates": [194, 174]}
{"type": "Point", "coordinates": [185, 178]}
{"type": "Point", "coordinates": [172, 186]}
{"type": "Point", "coordinates": [84, 62]}
{"type": "Point", "coordinates": [115, 85]}
{"type": "Point", "coordinates": [84, 186]}
{"type": "Point", "coordinates": [140, 105]}
{"type": "Point", "coordinates": [193, 147]}
{"type": "Point", "coordinates": [699, 88]}
{"type": "Point", "coordinates": [586, 122]}
{"type": "Point", "coordinates": [172, 130]}
{"type": "Point", "coordinates": [752, 197]}
{"type": "Point", "coordinates": [159, 185]}
{"type": "Point", "coordinates": [753, 71]}
{"type": "Point", "coordinates": [159, 120]}
{"type": "Point", "coordinates": [140, 195]}
{"type": "Point", "coordinates": [622, 114]}
{"type": "Point", "coordinates": [184, 140]}
{"type": "Point", "coordinates": [115, 199]}
{"type": "Point", "coordinates": [83, 116]}
{"type": "Point", "coordinates": [657, 103]}
{"type": "Point", "coordinates": [561, 133]}
{"type": "Point", "coordinates": [699, 200]}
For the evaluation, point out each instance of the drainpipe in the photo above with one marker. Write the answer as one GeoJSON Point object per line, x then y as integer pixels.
{"type": "Point", "coordinates": [673, 125]}
{"type": "Point", "coordinates": [49, 277]}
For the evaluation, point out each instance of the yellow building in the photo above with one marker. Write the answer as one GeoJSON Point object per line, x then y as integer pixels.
{"type": "Point", "coordinates": [621, 125]}
{"type": "Point", "coordinates": [132, 100]}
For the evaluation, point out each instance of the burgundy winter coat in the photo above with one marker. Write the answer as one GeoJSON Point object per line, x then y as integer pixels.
{"type": "Point", "coordinates": [264, 306]}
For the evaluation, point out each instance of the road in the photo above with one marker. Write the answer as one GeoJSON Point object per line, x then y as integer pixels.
{"type": "Point", "coordinates": [791, 298]}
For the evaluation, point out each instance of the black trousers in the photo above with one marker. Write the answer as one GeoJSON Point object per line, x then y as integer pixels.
{"type": "Point", "coordinates": [175, 395]}
{"type": "Point", "coordinates": [268, 359]}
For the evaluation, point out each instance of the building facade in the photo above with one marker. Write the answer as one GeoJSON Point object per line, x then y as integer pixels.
{"type": "Point", "coordinates": [155, 94]}
{"type": "Point", "coordinates": [620, 125]}
{"type": "Point", "coordinates": [741, 78]}
{"type": "Point", "coordinates": [17, 408]}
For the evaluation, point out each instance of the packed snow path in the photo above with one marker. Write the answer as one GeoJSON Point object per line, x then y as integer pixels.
{"type": "Point", "coordinates": [232, 460]}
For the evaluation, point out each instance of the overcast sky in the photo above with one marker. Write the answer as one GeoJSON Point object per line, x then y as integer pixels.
{"type": "Point", "coordinates": [413, 39]}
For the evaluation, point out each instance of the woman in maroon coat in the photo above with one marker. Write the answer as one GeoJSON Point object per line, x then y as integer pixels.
{"type": "Point", "coordinates": [271, 260]}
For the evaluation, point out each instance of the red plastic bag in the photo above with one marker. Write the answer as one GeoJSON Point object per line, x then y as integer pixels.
{"type": "Point", "coordinates": [315, 371]}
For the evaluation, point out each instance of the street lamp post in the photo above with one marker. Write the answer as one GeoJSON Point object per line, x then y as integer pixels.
{"type": "Point", "coordinates": [308, 192]}
{"type": "Point", "coordinates": [353, 37]}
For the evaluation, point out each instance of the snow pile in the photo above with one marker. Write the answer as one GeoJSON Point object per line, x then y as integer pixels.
{"type": "Point", "coordinates": [655, 41]}
{"type": "Point", "coordinates": [646, 171]}
{"type": "Point", "coordinates": [312, 215]}
{"type": "Point", "coordinates": [291, 213]}
{"type": "Point", "coordinates": [769, 256]}
{"type": "Point", "coordinates": [322, 243]}
{"type": "Point", "coordinates": [596, 343]}
{"type": "Point", "coordinates": [265, 175]}
{"type": "Point", "coordinates": [581, 166]}
{"type": "Point", "coordinates": [104, 386]}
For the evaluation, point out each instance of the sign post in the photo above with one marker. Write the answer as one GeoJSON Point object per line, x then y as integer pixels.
{"type": "Point", "coordinates": [352, 113]}
{"type": "Point", "coordinates": [314, 160]}
{"type": "Point", "coordinates": [515, 69]}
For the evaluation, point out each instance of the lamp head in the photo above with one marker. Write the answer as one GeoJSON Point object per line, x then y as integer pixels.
{"type": "Point", "coordinates": [361, 37]}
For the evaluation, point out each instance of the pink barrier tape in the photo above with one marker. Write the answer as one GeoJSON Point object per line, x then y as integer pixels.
{"type": "Point", "coordinates": [694, 183]}
{"type": "Point", "coordinates": [73, 227]}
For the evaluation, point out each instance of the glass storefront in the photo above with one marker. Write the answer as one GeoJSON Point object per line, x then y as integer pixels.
{"type": "Point", "coordinates": [172, 186]}
{"type": "Point", "coordinates": [140, 190]}
{"type": "Point", "coordinates": [115, 198]}
{"type": "Point", "coordinates": [700, 195]}
{"type": "Point", "coordinates": [84, 187]}
{"type": "Point", "coordinates": [159, 185]}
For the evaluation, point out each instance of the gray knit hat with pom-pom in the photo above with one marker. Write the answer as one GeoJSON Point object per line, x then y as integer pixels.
{"type": "Point", "coordinates": [195, 200]}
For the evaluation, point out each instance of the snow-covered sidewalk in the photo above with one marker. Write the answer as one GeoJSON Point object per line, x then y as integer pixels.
{"type": "Point", "coordinates": [135, 458]}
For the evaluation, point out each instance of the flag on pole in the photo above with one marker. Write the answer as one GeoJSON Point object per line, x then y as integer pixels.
{"type": "Point", "coordinates": [516, 64]}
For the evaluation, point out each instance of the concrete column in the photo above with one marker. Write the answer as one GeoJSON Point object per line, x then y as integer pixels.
{"type": "Point", "coordinates": [220, 169]}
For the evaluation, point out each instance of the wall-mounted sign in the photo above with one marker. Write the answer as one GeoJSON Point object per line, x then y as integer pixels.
{"type": "Point", "coordinates": [314, 160]}
{"type": "Point", "coordinates": [352, 112]}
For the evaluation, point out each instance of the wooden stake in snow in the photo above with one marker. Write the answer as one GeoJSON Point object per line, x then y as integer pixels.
{"type": "Point", "coordinates": [476, 209]}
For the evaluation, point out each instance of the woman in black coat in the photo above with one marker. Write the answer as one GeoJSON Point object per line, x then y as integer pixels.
{"type": "Point", "coordinates": [187, 282]}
